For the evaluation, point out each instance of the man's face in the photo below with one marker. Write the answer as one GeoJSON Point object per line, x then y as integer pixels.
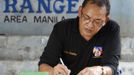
{"type": "Point", "coordinates": [91, 19]}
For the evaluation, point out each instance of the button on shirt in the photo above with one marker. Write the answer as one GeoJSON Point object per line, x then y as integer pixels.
{"type": "Point", "coordinates": [66, 42]}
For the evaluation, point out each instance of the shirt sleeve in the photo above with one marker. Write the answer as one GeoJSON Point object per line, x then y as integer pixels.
{"type": "Point", "coordinates": [112, 49]}
{"type": "Point", "coordinates": [52, 51]}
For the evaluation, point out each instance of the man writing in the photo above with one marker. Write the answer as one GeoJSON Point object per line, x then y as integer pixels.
{"type": "Point", "coordinates": [88, 44]}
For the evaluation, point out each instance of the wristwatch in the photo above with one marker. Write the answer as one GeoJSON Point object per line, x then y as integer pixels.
{"type": "Point", "coordinates": [103, 71]}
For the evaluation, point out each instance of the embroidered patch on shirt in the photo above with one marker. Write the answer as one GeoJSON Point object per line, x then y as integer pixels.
{"type": "Point", "coordinates": [97, 51]}
{"type": "Point", "coordinates": [70, 53]}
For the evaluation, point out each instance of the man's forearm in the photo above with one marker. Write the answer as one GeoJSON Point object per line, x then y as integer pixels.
{"type": "Point", "coordinates": [46, 68]}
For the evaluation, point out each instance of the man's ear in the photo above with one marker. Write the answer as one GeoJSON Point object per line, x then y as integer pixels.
{"type": "Point", "coordinates": [107, 18]}
{"type": "Point", "coordinates": [79, 11]}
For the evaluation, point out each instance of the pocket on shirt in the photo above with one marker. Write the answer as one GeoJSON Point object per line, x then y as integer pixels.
{"type": "Point", "coordinates": [70, 56]}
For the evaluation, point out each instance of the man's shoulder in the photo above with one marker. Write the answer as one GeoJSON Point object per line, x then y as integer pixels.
{"type": "Point", "coordinates": [66, 27]}
{"type": "Point", "coordinates": [112, 25]}
{"type": "Point", "coordinates": [65, 23]}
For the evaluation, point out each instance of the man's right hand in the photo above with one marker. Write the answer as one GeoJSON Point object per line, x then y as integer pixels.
{"type": "Point", "coordinates": [61, 70]}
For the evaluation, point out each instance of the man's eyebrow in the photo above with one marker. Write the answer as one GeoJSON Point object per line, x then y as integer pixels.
{"type": "Point", "coordinates": [98, 19]}
{"type": "Point", "coordinates": [87, 16]}
{"type": "Point", "coordinates": [90, 17]}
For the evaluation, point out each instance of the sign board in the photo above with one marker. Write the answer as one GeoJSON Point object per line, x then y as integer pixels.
{"type": "Point", "coordinates": [34, 17]}
{"type": "Point", "coordinates": [33, 73]}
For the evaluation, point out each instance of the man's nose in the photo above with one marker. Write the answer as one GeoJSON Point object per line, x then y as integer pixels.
{"type": "Point", "coordinates": [90, 24]}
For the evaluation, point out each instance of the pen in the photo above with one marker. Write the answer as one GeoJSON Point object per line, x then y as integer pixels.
{"type": "Point", "coordinates": [64, 65]}
{"type": "Point", "coordinates": [62, 61]}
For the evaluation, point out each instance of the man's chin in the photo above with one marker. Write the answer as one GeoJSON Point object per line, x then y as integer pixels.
{"type": "Point", "coordinates": [88, 34]}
